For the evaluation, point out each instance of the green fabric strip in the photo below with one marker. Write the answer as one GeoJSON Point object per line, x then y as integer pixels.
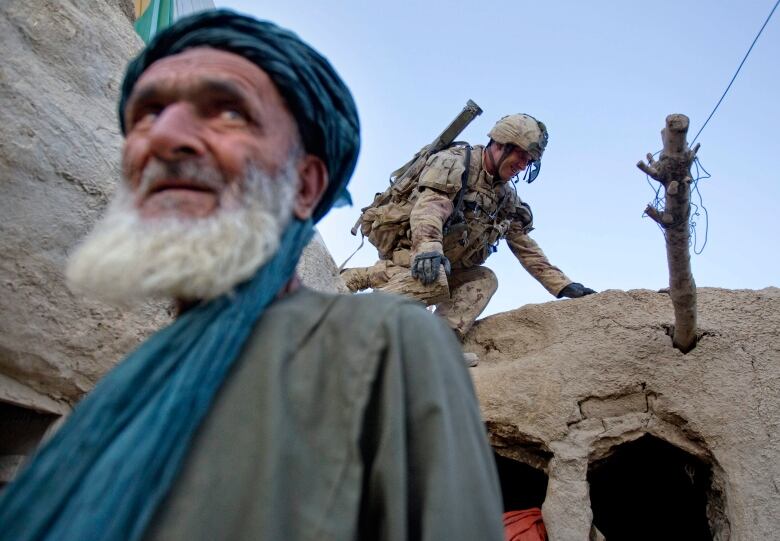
{"type": "Point", "coordinates": [158, 16]}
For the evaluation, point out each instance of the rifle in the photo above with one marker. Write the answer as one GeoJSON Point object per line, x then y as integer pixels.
{"type": "Point", "coordinates": [408, 172]}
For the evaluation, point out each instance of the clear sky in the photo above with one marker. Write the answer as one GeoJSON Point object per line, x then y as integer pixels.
{"type": "Point", "coordinates": [602, 75]}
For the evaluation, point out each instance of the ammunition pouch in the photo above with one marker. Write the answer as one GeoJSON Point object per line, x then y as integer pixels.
{"type": "Point", "coordinates": [443, 174]}
{"type": "Point", "coordinates": [386, 221]}
{"type": "Point", "coordinates": [387, 226]}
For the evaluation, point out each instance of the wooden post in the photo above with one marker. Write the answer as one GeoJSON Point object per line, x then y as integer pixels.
{"type": "Point", "coordinates": [672, 170]}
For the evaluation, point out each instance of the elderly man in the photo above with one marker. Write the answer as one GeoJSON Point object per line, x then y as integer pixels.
{"type": "Point", "coordinates": [266, 410]}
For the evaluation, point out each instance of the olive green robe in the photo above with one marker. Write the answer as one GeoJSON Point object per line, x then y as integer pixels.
{"type": "Point", "coordinates": [346, 417]}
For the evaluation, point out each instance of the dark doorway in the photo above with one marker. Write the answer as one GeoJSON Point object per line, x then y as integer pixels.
{"type": "Point", "coordinates": [650, 489]}
{"type": "Point", "coordinates": [522, 486]}
{"type": "Point", "coordinates": [21, 429]}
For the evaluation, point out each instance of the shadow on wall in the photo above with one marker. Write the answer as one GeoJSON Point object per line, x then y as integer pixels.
{"type": "Point", "coordinates": [21, 429]}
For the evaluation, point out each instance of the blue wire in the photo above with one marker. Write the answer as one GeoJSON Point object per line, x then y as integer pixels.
{"type": "Point", "coordinates": [657, 203]}
{"type": "Point", "coordinates": [695, 188]}
{"type": "Point", "coordinates": [737, 72]}
{"type": "Point", "coordinates": [699, 177]}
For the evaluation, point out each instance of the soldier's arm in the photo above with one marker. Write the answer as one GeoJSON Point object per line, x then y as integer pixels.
{"type": "Point", "coordinates": [533, 260]}
{"type": "Point", "coordinates": [438, 185]}
{"type": "Point", "coordinates": [426, 221]}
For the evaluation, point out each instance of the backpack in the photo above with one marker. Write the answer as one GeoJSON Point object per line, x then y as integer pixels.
{"type": "Point", "coordinates": [385, 222]}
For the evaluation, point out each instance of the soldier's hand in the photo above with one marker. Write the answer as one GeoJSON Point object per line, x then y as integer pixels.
{"type": "Point", "coordinates": [575, 290]}
{"type": "Point", "coordinates": [426, 266]}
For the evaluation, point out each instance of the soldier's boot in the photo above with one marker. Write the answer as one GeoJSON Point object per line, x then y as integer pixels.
{"type": "Point", "coordinates": [374, 277]}
{"type": "Point", "coordinates": [356, 279]}
{"type": "Point", "coordinates": [471, 290]}
{"type": "Point", "coordinates": [471, 359]}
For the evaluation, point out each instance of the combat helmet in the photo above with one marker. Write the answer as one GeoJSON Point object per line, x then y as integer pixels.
{"type": "Point", "coordinates": [525, 132]}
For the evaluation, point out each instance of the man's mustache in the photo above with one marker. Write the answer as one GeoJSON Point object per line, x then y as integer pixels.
{"type": "Point", "coordinates": [159, 175]}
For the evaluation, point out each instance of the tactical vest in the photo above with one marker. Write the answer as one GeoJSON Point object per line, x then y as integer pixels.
{"type": "Point", "coordinates": [385, 223]}
{"type": "Point", "coordinates": [490, 210]}
{"type": "Point", "coordinates": [485, 214]}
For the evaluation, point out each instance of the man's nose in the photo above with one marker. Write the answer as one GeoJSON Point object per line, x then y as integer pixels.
{"type": "Point", "coordinates": [175, 134]}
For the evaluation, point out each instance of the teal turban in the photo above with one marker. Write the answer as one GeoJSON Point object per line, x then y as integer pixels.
{"type": "Point", "coordinates": [318, 99]}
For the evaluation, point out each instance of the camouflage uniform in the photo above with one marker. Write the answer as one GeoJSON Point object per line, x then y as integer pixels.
{"type": "Point", "coordinates": [490, 211]}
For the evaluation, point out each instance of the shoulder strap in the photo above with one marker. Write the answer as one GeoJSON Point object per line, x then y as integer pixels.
{"type": "Point", "coordinates": [464, 179]}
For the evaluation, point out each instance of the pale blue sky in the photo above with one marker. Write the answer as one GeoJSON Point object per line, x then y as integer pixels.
{"type": "Point", "coordinates": [602, 75]}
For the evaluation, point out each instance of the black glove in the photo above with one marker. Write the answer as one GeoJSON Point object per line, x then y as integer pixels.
{"type": "Point", "coordinates": [426, 266]}
{"type": "Point", "coordinates": [575, 290]}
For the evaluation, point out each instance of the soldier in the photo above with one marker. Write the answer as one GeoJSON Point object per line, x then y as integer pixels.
{"type": "Point", "coordinates": [461, 207]}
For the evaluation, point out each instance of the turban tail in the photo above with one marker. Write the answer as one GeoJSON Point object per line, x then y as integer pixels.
{"type": "Point", "coordinates": [103, 474]}
{"type": "Point", "coordinates": [318, 99]}
{"type": "Point", "coordinates": [105, 471]}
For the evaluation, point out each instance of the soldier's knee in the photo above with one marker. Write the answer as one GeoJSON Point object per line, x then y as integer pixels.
{"type": "Point", "coordinates": [488, 281]}
{"type": "Point", "coordinates": [493, 282]}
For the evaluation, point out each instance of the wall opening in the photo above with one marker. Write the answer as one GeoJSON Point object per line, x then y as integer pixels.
{"type": "Point", "coordinates": [650, 489]}
{"type": "Point", "coordinates": [21, 429]}
{"type": "Point", "coordinates": [522, 486]}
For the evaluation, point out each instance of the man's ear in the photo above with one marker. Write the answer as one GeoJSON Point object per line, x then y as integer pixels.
{"type": "Point", "coordinates": [498, 146]}
{"type": "Point", "coordinates": [313, 179]}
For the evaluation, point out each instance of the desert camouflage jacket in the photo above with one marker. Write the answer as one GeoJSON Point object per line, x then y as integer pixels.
{"type": "Point", "coordinates": [489, 212]}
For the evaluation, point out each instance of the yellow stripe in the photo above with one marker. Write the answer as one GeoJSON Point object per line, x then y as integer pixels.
{"type": "Point", "coordinates": [140, 6]}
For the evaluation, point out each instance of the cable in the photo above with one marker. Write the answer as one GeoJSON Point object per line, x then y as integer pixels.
{"type": "Point", "coordinates": [695, 208]}
{"type": "Point", "coordinates": [658, 204]}
{"type": "Point", "coordinates": [737, 72]}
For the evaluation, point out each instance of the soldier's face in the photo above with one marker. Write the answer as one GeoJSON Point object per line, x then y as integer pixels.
{"type": "Point", "coordinates": [205, 110]}
{"type": "Point", "coordinates": [515, 162]}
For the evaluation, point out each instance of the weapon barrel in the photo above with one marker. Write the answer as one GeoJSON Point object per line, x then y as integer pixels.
{"type": "Point", "coordinates": [400, 177]}
{"type": "Point", "coordinates": [464, 118]}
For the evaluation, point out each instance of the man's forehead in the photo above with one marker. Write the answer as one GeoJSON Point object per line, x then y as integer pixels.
{"type": "Point", "coordinates": [213, 63]}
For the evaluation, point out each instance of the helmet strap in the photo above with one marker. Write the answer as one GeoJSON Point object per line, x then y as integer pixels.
{"type": "Point", "coordinates": [489, 157]}
{"type": "Point", "coordinates": [504, 155]}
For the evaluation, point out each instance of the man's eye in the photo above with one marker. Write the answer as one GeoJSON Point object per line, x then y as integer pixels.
{"type": "Point", "coordinates": [145, 117]}
{"type": "Point", "coordinates": [232, 115]}
{"type": "Point", "coordinates": [149, 116]}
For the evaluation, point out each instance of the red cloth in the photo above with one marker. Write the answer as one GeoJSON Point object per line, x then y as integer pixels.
{"type": "Point", "coordinates": [525, 525]}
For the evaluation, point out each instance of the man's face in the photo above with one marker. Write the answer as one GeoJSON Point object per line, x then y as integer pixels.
{"type": "Point", "coordinates": [206, 109]}
{"type": "Point", "coordinates": [213, 172]}
{"type": "Point", "coordinates": [514, 162]}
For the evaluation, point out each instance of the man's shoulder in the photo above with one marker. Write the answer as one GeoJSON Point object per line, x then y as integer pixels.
{"type": "Point", "coordinates": [457, 151]}
{"type": "Point", "coordinates": [358, 326]}
{"type": "Point", "coordinates": [451, 152]}
{"type": "Point", "coordinates": [378, 305]}
{"type": "Point", "coordinates": [372, 306]}
{"type": "Point", "coordinates": [444, 169]}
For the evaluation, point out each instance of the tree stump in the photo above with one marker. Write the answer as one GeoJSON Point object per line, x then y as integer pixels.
{"type": "Point", "coordinates": [672, 170]}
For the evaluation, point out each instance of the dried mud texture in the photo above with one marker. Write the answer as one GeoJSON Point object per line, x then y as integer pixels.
{"type": "Point", "coordinates": [59, 160]}
{"type": "Point", "coordinates": [318, 270]}
{"type": "Point", "coordinates": [60, 74]}
{"type": "Point", "coordinates": [580, 377]}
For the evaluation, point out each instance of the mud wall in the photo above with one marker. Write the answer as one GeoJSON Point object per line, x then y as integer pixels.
{"type": "Point", "coordinates": [564, 384]}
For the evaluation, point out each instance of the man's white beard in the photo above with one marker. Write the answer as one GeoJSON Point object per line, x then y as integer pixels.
{"type": "Point", "coordinates": [126, 258]}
